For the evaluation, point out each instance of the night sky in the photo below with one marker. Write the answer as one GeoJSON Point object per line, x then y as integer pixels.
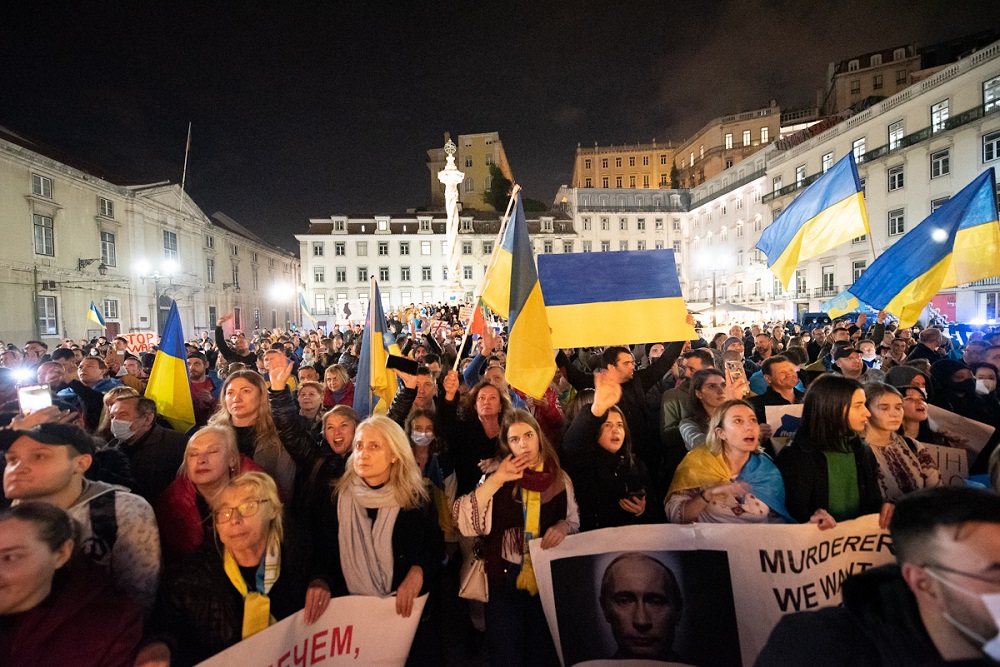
{"type": "Point", "coordinates": [329, 107]}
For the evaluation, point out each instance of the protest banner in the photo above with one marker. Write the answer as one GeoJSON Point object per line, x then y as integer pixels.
{"type": "Point", "coordinates": [142, 341]}
{"type": "Point", "coordinates": [952, 462]}
{"type": "Point", "coordinates": [959, 431]}
{"type": "Point", "coordinates": [354, 630]}
{"type": "Point", "coordinates": [734, 583]}
{"type": "Point", "coordinates": [785, 420]}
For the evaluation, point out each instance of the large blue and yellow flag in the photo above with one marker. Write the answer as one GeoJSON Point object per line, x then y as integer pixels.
{"type": "Point", "coordinates": [512, 290]}
{"type": "Point", "coordinates": [828, 213]}
{"type": "Point", "coordinates": [375, 385]}
{"type": "Point", "coordinates": [169, 385]}
{"type": "Point", "coordinates": [94, 315]}
{"type": "Point", "coordinates": [613, 298]}
{"type": "Point", "coordinates": [957, 244]}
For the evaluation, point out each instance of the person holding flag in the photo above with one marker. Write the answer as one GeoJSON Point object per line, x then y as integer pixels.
{"type": "Point", "coordinates": [375, 385]}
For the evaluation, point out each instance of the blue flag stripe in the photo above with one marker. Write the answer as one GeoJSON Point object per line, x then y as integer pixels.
{"type": "Point", "coordinates": [600, 277]}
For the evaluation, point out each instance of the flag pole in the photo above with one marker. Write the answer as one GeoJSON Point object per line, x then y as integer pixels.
{"type": "Point", "coordinates": [371, 366]}
{"type": "Point", "coordinates": [496, 243]}
{"type": "Point", "coordinates": [187, 151]}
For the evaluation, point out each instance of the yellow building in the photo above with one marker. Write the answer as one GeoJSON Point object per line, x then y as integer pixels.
{"type": "Point", "coordinates": [724, 141]}
{"type": "Point", "coordinates": [476, 153]}
{"type": "Point", "coordinates": [878, 75]}
{"type": "Point", "coordinates": [628, 166]}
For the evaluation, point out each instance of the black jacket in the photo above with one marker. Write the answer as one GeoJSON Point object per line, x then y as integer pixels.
{"type": "Point", "coordinates": [878, 626]}
{"type": "Point", "coordinates": [154, 459]}
{"type": "Point", "coordinates": [807, 486]}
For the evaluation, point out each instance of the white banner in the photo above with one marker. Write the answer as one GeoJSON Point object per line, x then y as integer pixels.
{"type": "Point", "coordinates": [733, 584]}
{"type": "Point", "coordinates": [354, 630]}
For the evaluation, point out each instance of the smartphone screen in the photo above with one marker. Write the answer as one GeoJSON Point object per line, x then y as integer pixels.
{"type": "Point", "coordinates": [34, 397]}
{"type": "Point", "coordinates": [401, 364]}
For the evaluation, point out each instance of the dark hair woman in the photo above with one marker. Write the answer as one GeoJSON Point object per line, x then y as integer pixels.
{"type": "Point", "coordinates": [709, 390]}
{"type": "Point", "coordinates": [830, 474]}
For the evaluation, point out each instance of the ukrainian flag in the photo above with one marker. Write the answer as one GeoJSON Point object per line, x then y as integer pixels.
{"type": "Point", "coordinates": [169, 384]}
{"type": "Point", "coordinates": [375, 385]}
{"type": "Point", "coordinates": [828, 213]}
{"type": "Point", "coordinates": [305, 307]}
{"type": "Point", "coordinates": [843, 303]}
{"type": "Point", "coordinates": [613, 298]}
{"type": "Point", "coordinates": [95, 316]}
{"type": "Point", "coordinates": [957, 244]}
{"type": "Point", "coordinates": [512, 290]}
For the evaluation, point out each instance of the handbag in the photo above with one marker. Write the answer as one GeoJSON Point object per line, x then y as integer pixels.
{"type": "Point", "coordinates": [475, 585]}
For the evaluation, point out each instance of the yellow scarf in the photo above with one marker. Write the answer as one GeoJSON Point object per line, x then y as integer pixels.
{"type": "Point", "coordinates": [531, 501]}
{"type": "Point", "coordinates": [698, 468]}
{"type": "Point", "coordinates": [256, 606]}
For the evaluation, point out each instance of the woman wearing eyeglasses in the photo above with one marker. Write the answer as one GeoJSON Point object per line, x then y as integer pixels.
{"type": "Point", "coordinates": [214, 600]}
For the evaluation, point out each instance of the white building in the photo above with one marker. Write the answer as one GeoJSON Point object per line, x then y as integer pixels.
{"type": "Point", "coordinates": [74, 236]}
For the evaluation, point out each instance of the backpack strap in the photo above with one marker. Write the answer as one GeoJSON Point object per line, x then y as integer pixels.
{"type": "Point", "coordinates": [103, 528]}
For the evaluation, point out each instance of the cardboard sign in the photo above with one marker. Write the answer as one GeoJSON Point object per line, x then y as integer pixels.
{"type": "Point", "coordinates": [960, 431]}
{"type": "Point", "coordinates": [785, 420]}
{"type": "Point", "coordinates": [140, 342]}
{"type": "Point", "coordinates": [952, 462]}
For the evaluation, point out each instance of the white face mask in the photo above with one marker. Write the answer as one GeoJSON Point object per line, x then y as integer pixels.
{"type": "Point", "coordinates": [985, 386]}
{"type": "Point", "coordinates": [990, 647]}
{"type": "Point", "coordinates": [421, 439]}
{"type": "Point", "coordinates": [121, 429]}
{"type": "Point", "coordinates": [869, 356]}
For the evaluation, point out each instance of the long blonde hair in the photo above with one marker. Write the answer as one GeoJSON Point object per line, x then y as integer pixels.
{"type": "Point", "coordinates": [265, 432]}
{"type": "Point", "coordinates": [713, 442]}
{"type": "Point", "coordinates": [405, 479]}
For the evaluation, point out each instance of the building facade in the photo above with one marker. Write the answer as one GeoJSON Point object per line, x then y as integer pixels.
{"type": "Point", "coordinates": [475, 154]}
{"type": "Point", "coordinates": [75, 236]}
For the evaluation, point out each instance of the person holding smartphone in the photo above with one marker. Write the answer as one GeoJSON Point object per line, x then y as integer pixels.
{"type": "Point", "coordinates": [613, 486]}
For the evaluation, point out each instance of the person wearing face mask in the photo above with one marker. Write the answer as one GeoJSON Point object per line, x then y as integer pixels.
{"type": "Point", "coordinates": [938, 604]}
{"type": "Point", "coordinates": [435, 465]}
{"type": "Point", "coordinates": [904, 465]}
{"type": "Point", "coordinates": [155, 453]}
{"type": "Point", "coordinates": [955, 390]}
{"type": "Point", "coordinates": [869, 354]}
{"type": "Point", "coordinates": [986, 379]}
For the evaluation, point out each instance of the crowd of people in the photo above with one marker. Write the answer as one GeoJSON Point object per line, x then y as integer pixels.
{"type": "Point", "coordinates": [126, 542]}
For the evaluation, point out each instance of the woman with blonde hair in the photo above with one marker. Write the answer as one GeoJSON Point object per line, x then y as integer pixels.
{"type": "Point", "coordinates": [183, 510]}
{"type": "Point", "coordinates": [245, 407]}
{"type": "Point", "coordinates": [213, 601]}
{"type": "Point", "coordinates": [729, 479]}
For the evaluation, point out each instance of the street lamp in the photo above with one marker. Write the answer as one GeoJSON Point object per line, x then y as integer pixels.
{"type": "Point", "coordinates": [102, 268]}
{"type": "Point", "coordinates": [164, 272]}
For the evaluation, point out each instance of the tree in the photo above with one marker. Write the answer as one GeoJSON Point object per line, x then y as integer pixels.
{"type": "Point", "coordinates": [675, 177]}
{"type": "Point", "coordinates": [499, 192]}
{"type": "Point", "coordinates": [533, 205]}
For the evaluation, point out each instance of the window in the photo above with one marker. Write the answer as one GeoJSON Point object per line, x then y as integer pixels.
{"type": "Point", "coordinates": [898, 54]}
{"type": "Point", "coordinates": [895, 177]}
{"type": "Point", "coordinates": [692, 157]}
{"type": "Point", "coordinates": [631, 162]}
{"type": "Point", "coordinates": [676, 225]}
{"type": "Point", "coordinates": [318, 248]}
{"type": "Point", "coordinates": [404, 248]}
{"type": "Point", "coordinates": [319, 274]}
{"type": "Point", "coordinates": [827, 161]}
{"type": "Point", "coordinates": [41, 186]}
{"type": "Point", "coordinates": [466, 247]}
{"type": "Point", "coordinates": [362, 274]}
{"type": "Point", "coordinates": [618, 181]}
{"type": "Point", "coordinates": [169, 245]}
{"type": "Point", "coordinates": [801, 284]}
{"type": "Point", "coordinates": [362, 248]}
{"type": "Point", "coordinates": [589, 183]}
{"type": "Point", "coordinates": [640, 245]}
{"type": "Point", "coordinates": [701, 152]}
{"type": "Point", "coordinates": [729, 140]}
{"type": "Point", "coordinates": [800, 175]}
{"type": "Point", "coordinates": [876, 60]}
{"type": "Point", "coordinates": [47, 321]}
{"type": "Point", "coordinates": [467, 272]}
{"type": "Point", "coordinates": [111, 309]}
{"type": "Point", "coordinates": [444, 248]}
{"type": "Point", "coordinates": [270, 262]}
{"type": "Point", "coordinates": [567, 246]}
{"type": "Point", "coordinates": [487, 247]}
{"type": "Point", "coordinates": [586, 246]}
{"type": "Point", "coordinates": [209, 241]}
{"type": "Point", "coordinates": [645, 160]}
{"type": "Point", "coordinates": [604, 182]}
{"type": "Point", "coordinates": [341, 274]}
{"type": "Point", "coordinates": [604, 163]}
{"type": "Point", "coordinates": [659, 246]}
{"type": "Point", "coordinates": [468, 160]}
{"type": "Point", "coordinates": [776, 184]}
{"type": "Point", "coordinates": [425, 225]}
{"type": "Point", "coordinates": [605, 224]}
{"type": "Point", "coordinates": [855, 86]}
{"type": "Point", "coordinates": [631, 181]}
{"type": "Point", "coordinates": [338, 225]}
{"type": "Point", "coordinates": [404, 273]}
{"type": "Point", "coordinates": [586, 164]}
{"type": "Point", "coordinates": [618, 162]}
{"type": "Point", "coordinates": [863, 181]}
{"type": "Point", "coordinates": [234, 249]}
{"type": "Point", "coordinates": [106, 207]}
{"type": "Point", "coordinates": [470, 185]}
{"type": "Point", "coordinates": [623, 245]}
{"type": "Point", "coordinates": [991, 97]}
{"type": "Point", "coordinates": [763, 135]}
{"type": "Point", "coordinates": [739, 258]}
{"type": "Point", "coordinates": [640, 224]}
{"type": "Point", "coordinates": [210, 269]}
{"type": "Point", "coordinates": [757, 224]}
{"type": "Point", "coordinates": [425, 273]}
{"type": "Point", "coordinates": [828, 285]}
{"type": "Point", "coordinates": [746, 137]}
{"type": "Point", "coordinates": [877, 82]}
{"type": "Point", "coordinates": [465, 225]}
{"type": "Point", "coordinates": [383, 248]}
{"type": "Point", "coordinates": [255, 278]}
{"type": "Point", "coordinates": [677, 247]}
{"type": "Point", "coordinates": [858, 148]}
{"type": "Point", "coordinates": [623, 224]}
{"type": "Point", "coordinates": [253, 257]}
{"type": "Point", "coordinates": [858, 268]}
{"type": "Point", "coordinates": [320, 304]}
{"type": "Point", "coordinates": [900, 76]}
{"type": "Point", "coordinates": [605, 246]}
{"type": "Point", "coordinates": [895, 134]}
{"type": "Point", "coordinates": [383, 273]}
{"type": "Point", "coordinates": [940, 163]}
{"type": "Point", "coordinates": [991, 146]}
{"type": "Point", "coordinates": [109, 254]}
{"type": "Point", "coordinates": [547, 247]}
{"type": "Point", "coordinates": [859, 239]}
{"type": "Point", "coordinates": [939, 114]}
{"type": "Point", "coordinates": [383, 225]}
{"type": "Point", "coordinates": [896, 223]}
{"type": "Point", "coordinates": [44, 241]}
{"type": "Point", "coordinates": [739, 230]}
